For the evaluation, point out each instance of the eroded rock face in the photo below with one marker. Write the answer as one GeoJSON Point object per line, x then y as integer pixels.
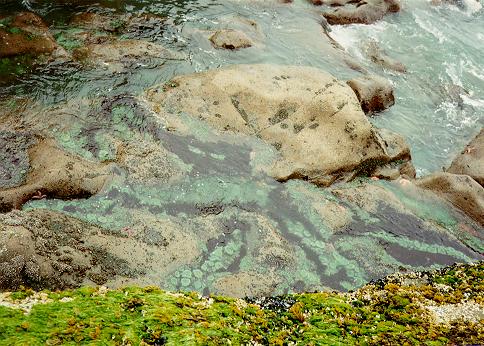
{"type": "Point", "coordinates": [230, 39]}
{"type": "Point", "coordinates": [39, 169]}
{"type": "Point", "coordinates": [374, 93]}
{"type": "Point", "coordinates": [311, 118]}
{"type": "Point", "coordinates": [357, 11]}
{"type": "Point", "coordinates": [25, 33]}
{"type": "Point", "coordinates": [460, 190]}
{"type": "Point", "coordinates": [471, 160]}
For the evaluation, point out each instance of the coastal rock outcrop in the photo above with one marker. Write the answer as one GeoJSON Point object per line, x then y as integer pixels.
{"type": "Point", "coordinates": [36, 168]}
{"type": "Point", "coordinates": [374, 93]}
{"type": "Point", "coordinates": [471, 160]}
{"type": "Point", "coordinates": [313, 120]}
{"type": "Point", "coordinates": [357, 11]}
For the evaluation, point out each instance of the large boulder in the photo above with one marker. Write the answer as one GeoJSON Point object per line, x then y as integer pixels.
{"type": "Point", "coordinates": [37, 168]}
{"type": "Point", "coordinates": [374, 93]}
{"type": "Point", "coordinates": [357, 11]}
{"type": "Point", "coordinates": [25, 33]}
{"type": "Point", "coordinates": [471, 160]}
{"type": "Point", "coordinates": [460, 190]}
{"type": "Point", "coordinates": [313, 120]}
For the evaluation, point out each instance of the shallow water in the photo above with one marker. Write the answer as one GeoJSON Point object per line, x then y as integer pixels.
{"type": "Point", "coordinates": [86, 110]}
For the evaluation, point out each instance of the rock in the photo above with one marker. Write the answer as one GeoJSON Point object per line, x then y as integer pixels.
{"type": "Point", "coordinates": [25, 33]}
{"type": "Point", "coordinates": [43, 249]}
{"type": "Point", "coordinates": [230, 39]}
{"type": "Point", "coordinates": [117, 55]}
{"type": "Point", "coordinates": [311, 118]}
{"type": "Point", "coordinates": [471, 160]}
{"type": "Point", "coordinates": [49, 173]}
{"type": "Point", "coordinates": [379, 57]}
{"type": "Point", "coordinates": [357, 11]}
{"type": "Point", "coordinates": [374, 93]}
{"type": "Point", "coordinates": [460, 190]}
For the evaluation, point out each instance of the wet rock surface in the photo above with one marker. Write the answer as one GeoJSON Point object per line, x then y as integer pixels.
{"type": "Point", "coordinates": [313, 120]}
{"type": "Point", "coordinates": [471, 160]}
{"type": "Point", "coordinates": [461, 190]}
{"type": "Point", "coordinates": [39, 169]}
{"type": "Point", "coordinates": [374, 93]}
{"type": "Point", "coordinates": [359, 11]}
{"type": "Point", "coordinates": [230, 39]}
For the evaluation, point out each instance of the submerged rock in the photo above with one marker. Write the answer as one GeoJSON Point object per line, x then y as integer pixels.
{"type": "Point", "coordinates": [116, 55]}
{"type": "Point", "coordinates": [374, 93]}
{"type": "Point", "coordinates": [357, 11]}
{"type": "Point", "coordinates": [48, 172]}
{"type": "Point", "coordinates": [380, 57]}
{"type": "Point", "coordinates": [25, 33]}
{"type": "Point", "coordinates": [313, 120]}
{"type": "Point", "coordinates": [230, 39]}
{"type": "Point", "coordinates": [471, 160]}
{"type": "Point", "coordinates": [460, 190]}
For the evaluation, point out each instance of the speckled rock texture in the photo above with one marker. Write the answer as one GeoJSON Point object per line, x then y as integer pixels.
{"type": "Point", "coordinates": [313, 120]}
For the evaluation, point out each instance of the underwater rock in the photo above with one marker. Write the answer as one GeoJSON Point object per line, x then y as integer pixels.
{"type": "Point", "coordinates": [379, 56]}
{"type": "Point", "coordinates": [471, 160]}
{"type": "Point", "coordinates": [25, 33]}
{"type": "Point", "coordinates": [460, 190]}
{"type": "Point", "coordinates": [313, 120]}
{"type": "Point", "coordinates": [118, 55]}
{"type": "Point", "coordinates": [374, 93]}
{"type": "Point", "coordinates": [357, 11]}
{"type": "Point", "coordinates": [230, 39]}
{"type": "Point", "coordinates": [52, 173]}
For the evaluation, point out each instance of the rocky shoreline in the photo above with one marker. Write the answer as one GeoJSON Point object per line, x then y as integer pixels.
{"type": "Point", "coordinates": [243, 180]}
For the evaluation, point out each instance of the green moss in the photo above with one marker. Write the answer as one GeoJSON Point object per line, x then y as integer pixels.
{"type": "Point", "coordinates": [385, 313]}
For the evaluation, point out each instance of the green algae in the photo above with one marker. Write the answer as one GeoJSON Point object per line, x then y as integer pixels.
{"type": "Point", "coordinates": [387, 312]}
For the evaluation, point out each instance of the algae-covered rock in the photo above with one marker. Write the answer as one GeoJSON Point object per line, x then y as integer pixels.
{"type": "Point", "coordinates": [311, 118]}
{"type": "Point", "coordinates": [416, 308]}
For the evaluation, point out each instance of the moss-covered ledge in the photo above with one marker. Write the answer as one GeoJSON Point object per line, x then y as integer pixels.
{"type": "Point", "coordinates": [435, 308]}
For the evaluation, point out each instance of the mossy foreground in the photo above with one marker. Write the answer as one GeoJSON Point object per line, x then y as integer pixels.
{"type": "Point", "coordinates": [436, 308]}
